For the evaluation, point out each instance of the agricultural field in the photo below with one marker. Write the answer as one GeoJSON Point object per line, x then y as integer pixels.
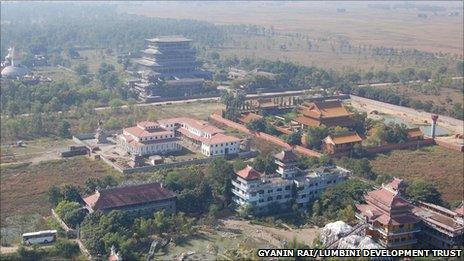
{"type": "Point", "coordinates": [325, 27]}
{"type": "Point", "coordinates": [434, 164]}
{"type": "Point", "coordinates": [24, 186]}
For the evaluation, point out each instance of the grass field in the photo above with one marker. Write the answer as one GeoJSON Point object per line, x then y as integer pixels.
{"type": "Point", "coordinates": [33, 151]}
{"type": "Point", "coordinates": [435, 164]}
{"type": "Point", "coordinates": [24, 187]}
{"type": "Point", "coordinates": [323, 25]}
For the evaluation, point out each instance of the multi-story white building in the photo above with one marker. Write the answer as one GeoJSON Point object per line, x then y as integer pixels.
{"type": "Point", "coordinates": [206, 138]}
{"type": "Point", "coordinates": [254, 188]}
{"type": "Point", "coordinates": [148, 138]}
{"type": "Point", "coordinates": [288, 185]}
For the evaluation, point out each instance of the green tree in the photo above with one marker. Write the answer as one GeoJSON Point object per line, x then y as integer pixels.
{"type": "Point", "coordinates": [71, 193]}
{"type": "Point", "coordinates": [219, 175]}
{"type": "Point", "coordinates": [54, 195]}
{"type": "Point", "coordinates": [315, 135]}
{"type": "Point", "coordinates": [65, 129]}
{"type": "Point", "coordinates": [265, 163]}
{"type": "Point", "coordinates": [82, 69]}
{"type": "Point", "coordinates": [66, 248]}
{"type": "Point", "coordinates": [65, 207]}
{"type": "Point", "coordinates": [424, 191]}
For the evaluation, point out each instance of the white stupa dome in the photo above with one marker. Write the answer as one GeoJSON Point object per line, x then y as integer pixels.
{"type": "Point", "coordinates": [14, 72]}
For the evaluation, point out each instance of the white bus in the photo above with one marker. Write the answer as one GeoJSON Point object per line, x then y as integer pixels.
{"type": "Point", "coordinates": [39, 237]}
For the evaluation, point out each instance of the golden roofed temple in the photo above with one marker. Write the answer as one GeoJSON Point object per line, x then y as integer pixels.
{"type": "Point", "coordinates": [329, 113]}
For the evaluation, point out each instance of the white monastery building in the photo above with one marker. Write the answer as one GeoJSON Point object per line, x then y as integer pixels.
{"type": "Point", "coordinates": [288, 183]}
{"type": "Point", "coordinates": [167, 135]}
{"type": "Point", "coordinates": [206, 138]}
{"type": "Point", "coordinates": [148, 138]}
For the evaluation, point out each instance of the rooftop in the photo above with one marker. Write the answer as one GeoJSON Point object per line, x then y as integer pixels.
{"type": "Point", "coordinates": [146, 129]}
{"type": "Point", "coordinates": [324, 109]}
{"type": "Point", "coordinates": [249, 173]}
{"type": "Point", "coordinates": [169, 39]}
{"type": "Point", "coordinates": [128, 196]}
{"type": "Point", "coordinates": [349, 137]}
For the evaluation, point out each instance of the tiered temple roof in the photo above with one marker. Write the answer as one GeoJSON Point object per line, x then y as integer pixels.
{"type": "Point", "coordinates": [328, 113]}
{"type": "Point", "coordinates": [386, 206]}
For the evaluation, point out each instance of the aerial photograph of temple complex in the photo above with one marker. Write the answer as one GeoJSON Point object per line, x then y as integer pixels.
{"type": "Point", "coordinates": [231, 130]}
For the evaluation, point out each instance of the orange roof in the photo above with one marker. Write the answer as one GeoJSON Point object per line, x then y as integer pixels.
{"type": "Point", "coordinates": [350, 137]}
{"type": "Point", "coordinates": [307, 121]}
{"type": "Point", "coordinates": [248, 173]}
{"type": "Point", "coordinates": [324, 109]}
{"type": "Point", "coordinates": [414, 133]}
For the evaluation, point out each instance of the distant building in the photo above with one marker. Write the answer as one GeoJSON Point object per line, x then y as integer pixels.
{"type": "Point", "coordinates": [239, 74]}
{"type": "Point", "coordinates": [139, 200]}
{"type": "Point", "coordinates": [396, 223]}
{"type": "Point", "coordinates": [330, 113]}
{"type": "Point", "coordinates": [12, 67]}
{"type": "Point", "coordinates": [287, 184]}
{"type": "Point", "coordinates": [169, 68]}
{"type": "Point", "coordinates": [148, 138]}
{"type": "Point", "coordinates": [341, 143]}
{"type": "Point", "coordinates": [206, 138]}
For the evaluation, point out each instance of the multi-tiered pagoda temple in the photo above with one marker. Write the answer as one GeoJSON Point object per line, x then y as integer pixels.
{"type": "Point", "coordinates": [169, 68]}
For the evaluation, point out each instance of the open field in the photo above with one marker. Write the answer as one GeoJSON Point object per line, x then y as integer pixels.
{"type": "Point", "coordinates": [358, 24]}
{"type": "Point", "coordinates": [435, 164]}
{"type": "Point", "coordinates": [231, 234]}
{"type": "Point", "coordinates": [24, 187]}
{"type": "Point", "coordinates": [33, 151]}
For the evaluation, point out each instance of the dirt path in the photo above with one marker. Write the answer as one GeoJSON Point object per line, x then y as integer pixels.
{"type": "Point", "coordinates": [408, 114]}
{"type": "Point", "coordinates": [274, 236]}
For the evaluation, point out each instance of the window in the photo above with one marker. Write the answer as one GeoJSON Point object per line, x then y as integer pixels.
{"type": "Point", "coordinates": [279, 197]}
{"type": "Point", "coordinates": [269, 199]}
{"type": "Point", "coordinates": [261, 200]}
{"type": "Point", "coordinates": [253, 194]}
{"type": "Point", "coordinates": [287, 196]}
{"type": "Point", "coordinates": [287, 187]}
{"type": "Point", "coordinates": [279, 189]}
{"type": "Point", "coordinates": [261, 192]}
{"type": "Point", "coordinates": [270, 191]}
{"type": "Point", "coordinates": [303, 196]}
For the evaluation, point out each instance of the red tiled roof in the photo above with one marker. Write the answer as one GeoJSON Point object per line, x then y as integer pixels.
{"type": "Point", "coordinates": [307, 121]}
{"type": "Point", "coordinates": [127, 196]}
{"type": "Point", "coordinates": [248, 173]}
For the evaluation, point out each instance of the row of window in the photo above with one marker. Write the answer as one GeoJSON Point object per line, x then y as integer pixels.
{"type": "Point", "coordinates": [158, 137]}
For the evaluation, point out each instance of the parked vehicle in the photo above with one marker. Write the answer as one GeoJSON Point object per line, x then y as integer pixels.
{"type": "Point", "coordinates": [39, 237]}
